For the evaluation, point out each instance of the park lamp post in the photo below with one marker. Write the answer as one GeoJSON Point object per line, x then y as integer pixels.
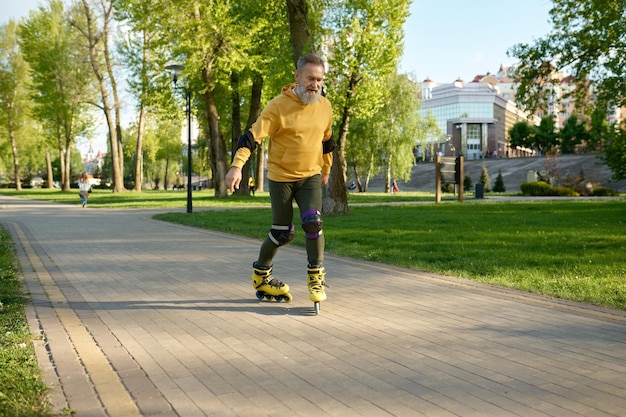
{"type": "Point", "coordinates": [176, 69]}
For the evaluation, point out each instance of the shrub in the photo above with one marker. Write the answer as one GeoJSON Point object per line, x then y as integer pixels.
{"type": "Point", "coordinates": [563, 192]}
{"type": "Point", "coordinates": [499, 187]}
{"type": "Point", "coordinates": [535, 188]}
{"type": "Point", "coordinates": [447, 188]}
{"type": "Point", "coordinates": [605, 192]}
{"type": "Point", "coordinates": [467, 183]}
{"type": "Point", "coordinates": [484, 179]}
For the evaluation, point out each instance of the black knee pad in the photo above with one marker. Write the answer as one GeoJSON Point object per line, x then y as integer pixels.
{"type": "Point", "coordinates": [281, 235]}
{"type": "Point", "coordinates": [312, 223]}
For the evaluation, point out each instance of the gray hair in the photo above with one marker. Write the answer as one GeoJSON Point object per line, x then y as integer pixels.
{"type": "Point", "coordinates": [309, 59]}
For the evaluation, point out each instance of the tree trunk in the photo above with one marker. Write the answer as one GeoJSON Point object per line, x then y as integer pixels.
{"type": "Point", "coordinates": [49, 170]}
{"type": "Point", "coordinates": [65, 182]}
{"type": "Point", "coordinates": [244, 186]}
{"type": "Point", "coordinates": [335, 200]}
{"type": "Point", "coordinates": [68, 164]}
{"type": "Point", "coordinates": [217, 146]}
{"type": "Point", "coordinates": [92, 38]}
{"type": "Point", "coordinates": [66, 153]}
{"type": "Point", "coordinates": [388, 174]}
{"type": "Point", "coordinates": [255, 111]}
{"type": "Point", "coordinates": [141, 127]}
{"type": "Point", "coordinates": [139, 150]}
{"type": "Point", "coordinates": [167, 169]}
{"type": "Point", "coordinates": [16, 163]}
{"type": "Point", "coordinates": [300, 32]}
{"type": "Point", "coordinates": [107, 10]}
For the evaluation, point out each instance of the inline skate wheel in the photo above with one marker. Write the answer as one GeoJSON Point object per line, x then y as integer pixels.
{"type": "Point", "coordinates": [259, 295]}
{"type": "Point", "coordinates": [316, 305]}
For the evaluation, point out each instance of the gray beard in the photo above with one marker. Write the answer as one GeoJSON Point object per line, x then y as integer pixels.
{"type": "Point", "coordinates": [305, 97]}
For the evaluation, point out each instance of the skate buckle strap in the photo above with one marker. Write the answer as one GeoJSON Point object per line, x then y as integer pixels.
{"type": "Point", "coordinates": [271, 282]}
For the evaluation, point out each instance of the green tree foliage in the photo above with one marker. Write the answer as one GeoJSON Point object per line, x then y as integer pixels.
{"type": "Point", "coordinates": [599, 130]}
{"type": "Point", "coordinates": [546, 134]}
{"type": "Point", "coordinates": [587, 40]}
{"type": "Point", "coordinates": [397, 124]}
{"type": "Point", "coordinates": [615, 154]}
{"type": "Point", "coordinates": [572, 133]}
{"type": "Point", "coordinates": [14, 101]}
{"type": "Point", "coordinates": [61, 91]}
{"type": "Point", "coordinates": [367, 44]}
{"type": "Point", "coordinates": [93, 20]}
{"type": "Point", "coordinates": [521, 134]}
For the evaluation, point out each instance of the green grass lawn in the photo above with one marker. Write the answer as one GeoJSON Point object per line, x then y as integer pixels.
{"type": "Point", "coordinates": [200, 199]}
{"type": "Point", "coordinates": [22, 391]}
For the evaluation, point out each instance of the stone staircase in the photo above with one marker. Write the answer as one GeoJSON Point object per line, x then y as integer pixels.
{"type": "Point", "coordinates": [514, 172]}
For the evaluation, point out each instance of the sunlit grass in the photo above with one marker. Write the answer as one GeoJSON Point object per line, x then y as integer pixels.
{"type": "Point", "coordinates": [200, 199]}
{"type": "Point", "coordinates": [22, 391]}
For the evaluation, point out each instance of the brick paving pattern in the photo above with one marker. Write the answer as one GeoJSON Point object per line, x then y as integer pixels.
{"type": "Point", "coordinates": [141, 317]}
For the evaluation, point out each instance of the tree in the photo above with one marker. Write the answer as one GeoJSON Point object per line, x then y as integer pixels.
{"type": "Point", "coordinates": [267, 68]}
{"type": "Point", "coordinates": [587, 40]}
{"type": "Point", "coordinates": [396, 125]}
{"type": "Point", "coordinates": [367, 44]}
{"type": "Point", "coordinates": [599, 130]}
{"type": "Point", "coordinates": [210, 40]}
{"type": "Point", "coordinates": [94, 23]}
{"type": "Point", "coordinates": [61, 91]}
{"type": "Point", "coordinates": [299, 29]}
{"type": "Point", "coordinates": [615, 155]}
{"type": "Point", "coordinates": [521, 135]}
{"type": "Point", "coordinates": [14, 101]}
{"type": "Point", "coordinates": [145, 58]}
{"type": "Point", "coordinates": [546, 135]}
{"type": "Point", "coordinates": [572, 133]}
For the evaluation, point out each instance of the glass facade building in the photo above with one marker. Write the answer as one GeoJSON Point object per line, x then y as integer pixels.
{"type": "Point", "coordinates": [474, 119]}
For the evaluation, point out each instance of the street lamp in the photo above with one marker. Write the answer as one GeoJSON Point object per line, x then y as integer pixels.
{"type": "Point", "coordinates": [176, 69]}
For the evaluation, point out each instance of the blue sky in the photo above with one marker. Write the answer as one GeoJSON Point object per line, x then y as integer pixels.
{"type": "Point", "coordinates": [444, 39]}
{"type": "Point", "coordinates": [447, 39]}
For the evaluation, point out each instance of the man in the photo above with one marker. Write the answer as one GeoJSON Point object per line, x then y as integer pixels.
{"type": "Point", "coordinates": [299, 125]}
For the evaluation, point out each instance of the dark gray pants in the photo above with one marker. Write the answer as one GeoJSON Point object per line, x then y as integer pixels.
{"type": "Point", "coordinates": [308, 195]}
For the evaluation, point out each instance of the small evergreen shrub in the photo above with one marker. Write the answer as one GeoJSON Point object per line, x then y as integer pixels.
{"type": "Point", "coordinates": [499, 186]}
{"type": "Point", "coordinates": [535, 188]}
{"type": "Point", "coordinates": [467, 183]}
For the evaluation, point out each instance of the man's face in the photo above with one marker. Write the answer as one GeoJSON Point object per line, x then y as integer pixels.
{"type": "Point", "coordinates": [310, 80]}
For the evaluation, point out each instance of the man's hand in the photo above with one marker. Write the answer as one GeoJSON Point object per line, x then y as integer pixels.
{"type": "Point", "coordinates": [233, 178]}
{"type": "Point", "coordinates": [324, 179]}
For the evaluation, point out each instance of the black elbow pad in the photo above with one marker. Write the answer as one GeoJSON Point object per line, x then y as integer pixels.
{"type": "Point", "coordinates": [329, 145]}
{"type": "Point", "coordinates": [247, 141]}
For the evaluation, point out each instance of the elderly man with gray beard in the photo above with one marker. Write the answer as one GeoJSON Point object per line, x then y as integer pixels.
{"type": "Point", "coordinates": [298, 123]}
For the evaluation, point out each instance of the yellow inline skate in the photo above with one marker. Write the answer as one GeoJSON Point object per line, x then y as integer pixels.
{"type": "Point", "coordinates": [267, 287]}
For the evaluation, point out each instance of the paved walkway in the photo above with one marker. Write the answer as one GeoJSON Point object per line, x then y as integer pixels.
{"type": "Point", "coordinates": [141, 317]}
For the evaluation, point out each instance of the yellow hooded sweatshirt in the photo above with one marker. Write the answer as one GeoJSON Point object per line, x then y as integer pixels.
{"type": "Point", "coordinates": [296, 132]}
